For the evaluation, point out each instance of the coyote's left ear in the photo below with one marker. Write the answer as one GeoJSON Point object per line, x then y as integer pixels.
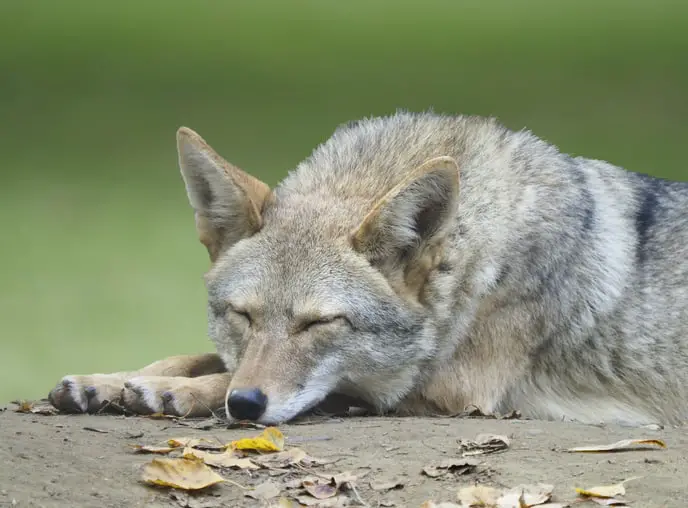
{"type": "Point", "coordinates": [411, 215]}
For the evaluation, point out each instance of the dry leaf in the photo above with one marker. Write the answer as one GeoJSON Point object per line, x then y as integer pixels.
{"type": "Point", "coordinates": [271, 440]}
{"type": "Point", "coordinates": [478, 495]}
{"type": "Point", "coordinates": [456, 466]}
{"type": "Point", "coordinates": [343, 479]}
{"type": "Point", "coordinates": [323, 503]}
{"type": "Point", "coordinates": [264, 491]}
{"type": "Point", "coordinates": [626, 444]}
{"type": "Point", "coordinates": [160, 450]}
{"type": "Point", "coordinates": [484, 443]}
{"type": "Point", "coordinates": [281, 459]}
{"type": "Point", "coordinates": [162, 416]}
{"type": "Point", "coordinates": [225, 459]}
{"type": "Point", "coordinates": [192, 442]}
{"type": "Point", "coordinates": [525, 496]}
{"type": "Point", "coordinates": [608, 501]}
{"type": "Point", "coordinates": [319, 490]}
{"type": "Point", "coordinates": [388, 485]}
{"type": "Point", "coordinates": [27, 406]}
{"type": "Point", "coordinates": [185, 474]}
{"type": "Point", "coordinates": [606, 491]}
{"type": "Point", "coordinates": [190, 500]}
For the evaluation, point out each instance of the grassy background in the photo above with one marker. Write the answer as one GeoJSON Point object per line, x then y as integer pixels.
{"type": "Point", "coordinates": [100, 269]}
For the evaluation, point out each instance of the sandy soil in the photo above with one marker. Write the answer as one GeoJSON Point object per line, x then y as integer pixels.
{"type": "Point", "coordinates": [79, 460]}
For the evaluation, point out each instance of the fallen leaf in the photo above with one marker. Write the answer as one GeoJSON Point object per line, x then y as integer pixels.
{"type": "Point", "coordinates": [607, 501]}
{"type": "Point", "coordinates": [271, 440]}
{"type": "Point", "coordinates": [483, 444]}
{"type": "Point", "coordinates": [394, 484]}
{"type": "Point", "coordinates": [525, 496]}
{"type": "Point", "coordinates": [264, 491]}
{"type": "Point", "coordinates": [190, 500]}
{"type": "Point", "coordinates": [456, 466]}
{"type": "Point", "coordinates": [94, 429]}
{"type": "Point", "coordinates": [185, 474]}
{"type": "Point", "coordinates": [606, 491]}
{"type": "Point", "coordinates": [225, 459]}
{"type": "Point", "coordinates": [161, 416]}
{"type": "Point", "coordinates": [323, 503]}
{"type": "Point", "coordinates": [281, 459]}
{"type": "Point", "coordinates": [344, 479]}
{"type": "Point", "coordinates": [478, 495]}
{"type": "Point", "coordinates": [192, 442]}
{"type": "Point", "coordinates": [626, 444]}
{"type": "Point", "coordinates": [28, 406]}
{"type": "Point", "coordinates": [319, 490]}
{"type": "Point", "coordinates": [160, 450]}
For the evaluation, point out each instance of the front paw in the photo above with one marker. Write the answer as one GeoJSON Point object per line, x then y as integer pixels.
{"type": "Point", "coordinates": [167, 395]}
{"type": "Point", "coordinates": [86, 394]}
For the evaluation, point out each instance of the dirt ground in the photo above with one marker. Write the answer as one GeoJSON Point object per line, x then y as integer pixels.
{"type": "Point", "coordinates": [80, 460]}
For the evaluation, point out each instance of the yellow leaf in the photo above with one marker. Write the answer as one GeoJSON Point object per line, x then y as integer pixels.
{"type": "Point", "coordinates": [606, 491]}
{"type": "Point", "coordinates": [271, 440]}
{"type": "Point", "coordinates": [224, 459]}
{"type": "Point", "coordinates": [626, 444]}
{"type": "Point", "coordinates": [182, 474]}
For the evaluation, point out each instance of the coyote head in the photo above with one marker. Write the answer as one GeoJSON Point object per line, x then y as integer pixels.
{"type": "Point", "coordinates": [319, 286]}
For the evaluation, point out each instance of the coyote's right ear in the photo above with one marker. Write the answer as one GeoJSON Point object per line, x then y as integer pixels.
{"type": "Point", "coordinates": [227, 201]}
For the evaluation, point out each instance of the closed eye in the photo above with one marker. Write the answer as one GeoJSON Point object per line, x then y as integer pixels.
{"type": "Point", "coordinates": [323, 321]}
{"type": "Point", "coordinates": [243, 313]}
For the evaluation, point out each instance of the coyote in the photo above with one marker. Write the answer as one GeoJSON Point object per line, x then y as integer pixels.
{"type": "Point", "coordinates": [420, 263]}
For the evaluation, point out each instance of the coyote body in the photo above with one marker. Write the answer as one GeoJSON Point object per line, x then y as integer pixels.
{"type": "Point", "coordinates": [422, 263]}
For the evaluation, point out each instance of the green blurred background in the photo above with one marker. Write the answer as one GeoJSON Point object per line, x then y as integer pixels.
{"type": "Point", "coordinates": [100, 267]}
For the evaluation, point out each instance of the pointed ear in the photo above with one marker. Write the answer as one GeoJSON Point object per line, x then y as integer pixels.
{"type": "Point", "coordinates": [226, 200]}
{"type": "Point", "coordinates": [411, 215]}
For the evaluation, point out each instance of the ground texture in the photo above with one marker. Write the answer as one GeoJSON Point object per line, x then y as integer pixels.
{"type": "Point", "coordinates": [78, 460]}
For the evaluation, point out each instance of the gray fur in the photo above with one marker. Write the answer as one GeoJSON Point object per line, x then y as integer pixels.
{"type": "Point", "coordinates": [423, 263]}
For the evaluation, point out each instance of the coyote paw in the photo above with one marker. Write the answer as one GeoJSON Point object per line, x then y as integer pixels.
{"type": "Point", "coordinates": [158, 394]}
{"type": "Point", "coordinates": [86, 394]}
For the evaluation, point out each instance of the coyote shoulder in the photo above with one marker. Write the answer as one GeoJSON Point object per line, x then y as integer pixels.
{"type": "Point", "coordinates": [421, 263]}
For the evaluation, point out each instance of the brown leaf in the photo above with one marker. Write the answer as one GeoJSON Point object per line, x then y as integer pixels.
{"type": "Point", "coordinates": [192, 442]}
{"type": "Point", "coordinates": [226, 459]}
{"type": "Point", "coordinates": [94, 429]}
{"type": "Point", "coordinates": [281, 459]}
{"type": "Point", "coordinates": [185, 474]}
{"type": "Point", "coordinates": [323, 503]}
{"type": "Point", "coordinates": [160, 450]}
{"type": "Point", "coordinates": [456, 466]}
{"type": "Point", "coordinates": [478, 495]}
{"type": "Point", "coordinates": [608, 501]}
{"type": "Point", "coordinates": [28, 406]}
{"type": "Point", "coordinates": [264, 491]}
{"type": "Point", "coordinates": [343, 479]}
{"type": "Point", "coordinates": [483, 444]}
{"type": "Point", "coordinates": [319, 490]}
{"type": "Point", "coordinates": [525, 496]}
{"type": "Point", "coordinates": [624, 445]}
{"type": "Point", "coordinates": [394, 484]}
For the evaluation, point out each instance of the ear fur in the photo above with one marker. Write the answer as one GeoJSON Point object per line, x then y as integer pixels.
{"type": "Point", "coordinates": [411, 215]}
{"type": "Point", "coordinates": [226, 200]}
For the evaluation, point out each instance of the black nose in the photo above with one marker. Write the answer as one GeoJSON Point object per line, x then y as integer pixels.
{"type": "Point", "coordinates": [247, 403]}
